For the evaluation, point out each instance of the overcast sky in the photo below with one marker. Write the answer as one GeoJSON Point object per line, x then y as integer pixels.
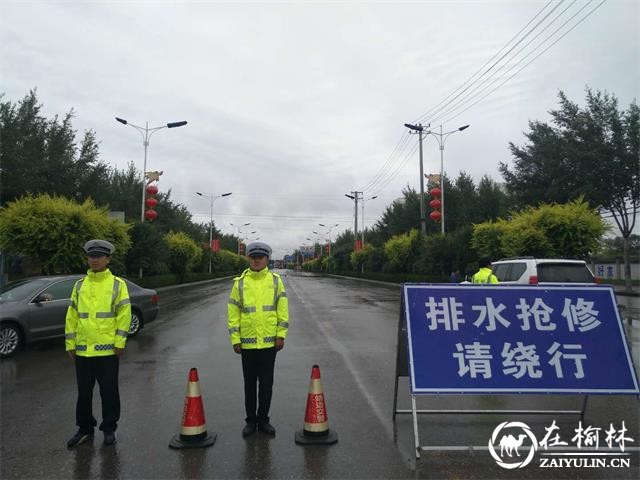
{"type": "Point", "coordinates": [293, 104]}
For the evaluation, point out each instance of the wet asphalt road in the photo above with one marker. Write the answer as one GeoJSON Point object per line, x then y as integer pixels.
{"type": "Point", "coordinates": [347, 327]}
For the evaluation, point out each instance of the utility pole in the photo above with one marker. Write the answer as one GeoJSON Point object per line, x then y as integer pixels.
{"type": "Point", "coordinates": [355, 197]}
{"type": "Point", "coordinates": [419, 128]}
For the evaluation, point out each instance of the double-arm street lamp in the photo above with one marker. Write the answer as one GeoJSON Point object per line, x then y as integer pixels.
{"type": "Point", "coordinates": [146, 133]}
{"type": "Point", "coordinates": [328, 234]}
{"type": "Point", "coordinates": [441, 138]}
{"type": "Point", "coordinates": [212, 198]}
{"type": "Point", "coordinates": [315, 241]}
{"type": "Point", "coordinates": [238, 227]}
{"type": "Point", "coordinates": [364, 200]}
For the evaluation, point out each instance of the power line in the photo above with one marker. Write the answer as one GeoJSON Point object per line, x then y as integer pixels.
{"type": "Point", "coordinates": [531, 61]}
{"type": "Point", "coordinates": [382, 175]}
{"type": "Point", "coordinates": [394, 162]}
{"type": "Point", "coordinates": [424, 116]}
{"type": "Point", "coordinates": [492, 80]}
{"type": "Point", "coordinates": [398, 169]}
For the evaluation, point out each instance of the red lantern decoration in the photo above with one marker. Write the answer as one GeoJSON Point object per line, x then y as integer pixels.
{"type": "Point", "coordinates": [435, 192]}
{"type": "Point", "coordinates": [152, 189]}
{"type": "Point", "coordinates": [150, 215]}
{"type": "Point", "coordinates": [435, 204]}
{"type": "Point", "coordinates": [436, 216]}
{"type": "Point", "coordinates": [151, 202]}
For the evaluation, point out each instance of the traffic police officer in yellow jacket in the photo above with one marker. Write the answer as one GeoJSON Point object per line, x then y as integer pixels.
{"type": "Point", "coordinates": [258, 321]}
{"type": "Point", "coordinates": [96, 328]}
{"type": "Point", "coordinates": [484, 275]}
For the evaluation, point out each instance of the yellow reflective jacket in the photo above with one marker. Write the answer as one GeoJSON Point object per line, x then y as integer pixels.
{"type": "Point", "coordinates": [484, 275]}
{"type": "Point", "coordinates": [258, 310]}
{"type": "Point", "coordinates": [99, 315]}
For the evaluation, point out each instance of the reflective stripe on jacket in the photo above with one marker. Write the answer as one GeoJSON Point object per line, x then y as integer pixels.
{"type": "Point", "coordinates": [258, 310]}
{"type": "Point", "coordinates": [484, 275]}
{"type": "Point", "coordinates": [99, 315]}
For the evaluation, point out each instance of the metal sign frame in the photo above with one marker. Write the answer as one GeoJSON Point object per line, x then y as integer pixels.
{"type": "Point", "coordinates": [403, 370]}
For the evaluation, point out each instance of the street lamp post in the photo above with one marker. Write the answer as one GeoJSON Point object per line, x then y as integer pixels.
{"type": "Point", "coordinates": [237, 227]}
{"type": "Point", "coordinates": [212, 198]}
{"type": "Point", "coordinates": [419, 128]}
{"type": "Point", "coordinates": [146, 133]}
{"type": "Point", "coordinates": [329, 233]}
{"type": "Point", "coordinates": [318, 238]}
{"type": "Point", "coordinates": [364, 200]}
{"type": "Point", "coordinates": [441, 138]}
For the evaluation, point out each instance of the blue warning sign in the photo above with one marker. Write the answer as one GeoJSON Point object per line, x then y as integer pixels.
{"type": "Point", "coordinates": [516, 339]}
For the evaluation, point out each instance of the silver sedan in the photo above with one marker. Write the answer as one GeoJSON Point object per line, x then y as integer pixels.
{"type": "Point", "coordinates": [33, 309]}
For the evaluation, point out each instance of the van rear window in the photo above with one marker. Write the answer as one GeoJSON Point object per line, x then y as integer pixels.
{"type": "Point", "coordinates": [564, 273]}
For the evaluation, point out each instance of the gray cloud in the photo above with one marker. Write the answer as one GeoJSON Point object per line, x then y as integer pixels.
{"type": "Point", "coordinates": [291, 105]}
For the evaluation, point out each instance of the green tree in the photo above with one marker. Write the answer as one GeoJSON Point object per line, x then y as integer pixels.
{"type": "Point", "coordinates": [400, 251]}
{"type": "Point", "coordinates": [40, 155]}
{"type": "Point", "coordinates": [184, 253]}
{"type": "Point", "coordinates": [149, 251]}
{"type": "Point", "coordinates": [614, 247]}
{"type": "Point", "coordinates": [592, 152]}
{"type": "Point", "coordinates": [571, 230]}
{"type": "Point", "coordinates": [370, 258]}
{"type": "Point", "coordinates": [52, 231]}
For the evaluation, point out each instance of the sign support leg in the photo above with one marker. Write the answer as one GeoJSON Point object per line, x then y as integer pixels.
{"type": "Point", "coordinates": [584, 407]}
{"type": "Point", "coordinates": [416, 437]}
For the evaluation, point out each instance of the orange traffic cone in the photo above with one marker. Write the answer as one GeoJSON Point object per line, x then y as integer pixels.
{"type": "Point", "coordinates": [316, 423]}
{"type": "Point", "coordinates": [193, 433]}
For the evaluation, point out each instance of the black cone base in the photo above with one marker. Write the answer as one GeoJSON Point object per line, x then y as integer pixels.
{"type": "Point", "coordinates": [330, 438]}
{"type": "Point", "coordinates": [176, 442]}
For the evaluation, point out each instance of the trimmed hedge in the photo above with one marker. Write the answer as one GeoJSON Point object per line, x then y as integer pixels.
{"type": "Point", "coordinates": [157, 281]}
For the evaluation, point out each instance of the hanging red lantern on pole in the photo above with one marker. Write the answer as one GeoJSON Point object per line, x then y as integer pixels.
{"type": "Point", "coordinates": [436, 216]}
{"type": "Point", "coordinates": [151, 203]}
{"type": "Point", "coordinates": [150, 215]}
{"type": "Point", "coordinates": [436, 204]}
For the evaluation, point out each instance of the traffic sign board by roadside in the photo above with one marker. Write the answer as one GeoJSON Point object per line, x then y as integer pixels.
{"type": "Point", "coordinates": [516, 339]}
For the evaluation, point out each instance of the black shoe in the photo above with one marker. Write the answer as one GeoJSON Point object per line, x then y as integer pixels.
{"type": "Point", "coordinates": [267, 428]}
{"type": "Point", "coordinates": [249, 429]}
{"type": "Point", "coordinates": [78, 438]}
{"type": "Point", "coordinates": [109, 438]}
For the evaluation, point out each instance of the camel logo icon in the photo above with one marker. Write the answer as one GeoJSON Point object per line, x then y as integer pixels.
{"type": "Point", "coordinates": [510, 442]}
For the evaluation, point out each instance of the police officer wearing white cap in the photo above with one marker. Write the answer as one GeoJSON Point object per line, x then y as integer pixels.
{"type": "Point", "coordinates": [96, 328]}
{"type": "Point", "coordinates": [258, 321]}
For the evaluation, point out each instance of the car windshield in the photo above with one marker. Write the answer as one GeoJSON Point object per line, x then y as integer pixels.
{"type": "Point", "coordinates": [564, 273]}
{"type": "Point", "coordinates": [21, 289]}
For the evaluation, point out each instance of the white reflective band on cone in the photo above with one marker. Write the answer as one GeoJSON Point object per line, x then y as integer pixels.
{"type": "Point", "coordinates": [193, 430]}
{"type": "Point", "coordinates": [193, 389]}
{"type": "Point", "coordinates": [315, 386]}
{"type": "Point", "coordinates": [316, 427]}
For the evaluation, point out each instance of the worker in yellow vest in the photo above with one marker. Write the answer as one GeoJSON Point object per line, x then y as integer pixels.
{"type": "Point", "coordinates": [258, 321]}
{"type": "Point", "coordinates": [96, 329]}
{"type": "Point", "coordinates": [484, 275]}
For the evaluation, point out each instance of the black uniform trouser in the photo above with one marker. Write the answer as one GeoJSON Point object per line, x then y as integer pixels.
{"type": "Point", "coordinates": [105, 371]}
{"type": "Point", "coordinates": [257, 367]}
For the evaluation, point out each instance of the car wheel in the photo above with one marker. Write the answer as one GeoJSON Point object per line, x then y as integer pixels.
{"type": "Point", "coordinates": [10, 339]}
{"type": "Point", "coordinates": [136, 323]}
